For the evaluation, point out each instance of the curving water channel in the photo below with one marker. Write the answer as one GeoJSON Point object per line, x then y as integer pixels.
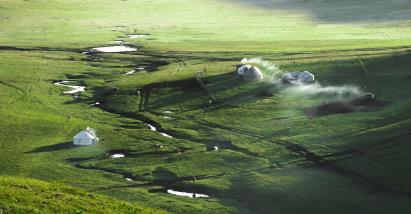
{"type": "Point", "coordinates": [153, 128]}
{"type": "Point", "coordinates": [187, 194]}
{"type": "Point", "coordinates": [75, 88]}
{"type": "Point", "coordinates": [139, 69]}
{"type": "Point", "coordinates": [131, 72]}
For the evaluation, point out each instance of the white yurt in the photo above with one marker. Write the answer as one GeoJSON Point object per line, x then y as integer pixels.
{"type": "Point", "coordinates": [242, 69]}
{"type": "Point", "coordinates": [253, 74]}
{"type": "Point", "coordinates": [249, 72]}
{"type": "Point", "coordinates": [86, 138]}
{"type": "Point", "coordinates": [298, 77]}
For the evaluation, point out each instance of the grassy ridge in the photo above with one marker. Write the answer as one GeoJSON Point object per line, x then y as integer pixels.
{"type": "Point", "coordinates": [21, 195]}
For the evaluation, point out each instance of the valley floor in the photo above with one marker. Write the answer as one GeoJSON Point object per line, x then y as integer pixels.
{"type": "Point", "coordinates": [181, 132]}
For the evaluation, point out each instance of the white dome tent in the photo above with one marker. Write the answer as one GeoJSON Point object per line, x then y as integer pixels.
{"type": "Point", "coordinates": [242, 69]}
{"type": "Point", "coordinates": [253, 74]}
{"type": "Point", "coordinates": [86, 137]}
{"type": "Point", "coordinates": [249, 72]}
{"type": "Point", "coordinates": [298, 77]}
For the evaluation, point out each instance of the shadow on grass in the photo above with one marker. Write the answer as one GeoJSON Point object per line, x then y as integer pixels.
{"type": "Point", "coordinates": [332, 11]}
{"type": "Point", "coordinates": [216, 90]}
{"type": "Point", "coordinates": [54, 147]}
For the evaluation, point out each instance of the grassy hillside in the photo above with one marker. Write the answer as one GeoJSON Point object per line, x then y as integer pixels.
{"type": "Point", "coordinates": [19, 195]}
{"type": "Point", "coordinates": [273, 154]}
{"type": "Point", "coordinates": [259, 129]}
{"type": "Point", "coordinates": [214, 25]}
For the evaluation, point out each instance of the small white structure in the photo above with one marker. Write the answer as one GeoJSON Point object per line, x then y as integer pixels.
{"type": "Point", "coordinates": [249, 72]}
{"type": "Point", "coordinates": [298, 77]}
{"type": "Point", "coordinates": [86, 137]}
{"type": "Point", "coordinates": [242, 69]}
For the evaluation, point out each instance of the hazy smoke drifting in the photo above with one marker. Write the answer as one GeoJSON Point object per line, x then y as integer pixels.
{"type": "Point", "coordinates": [270, 71]}
{"type": "Point", "coordinates": [315, 90]}
{"type": "Point", "coordinates": [273, 73]}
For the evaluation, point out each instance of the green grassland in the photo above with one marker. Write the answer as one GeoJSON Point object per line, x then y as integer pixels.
{"type": "Point", "coordinates": [19, 195]}
{"type": "Point", "coordinates": [197, 26]}
{"type": "Point", "coordinates": [272, 157]}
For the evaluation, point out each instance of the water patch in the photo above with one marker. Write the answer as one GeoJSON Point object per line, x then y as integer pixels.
{"type": "Point", "coordinates": [115, 49]}
{"type": "Point", "coordinates": [166, 135]}
{"type": "Point", "coordinates": [187, 194]}
{"type": "Point", "coordinates": [153, 128]}
{"type": "Point", "coordinates": [75, 89]}
{"type": "Point", "coordinates": [129, 179]}
{"type": "Point", "coordinates": [114, 156]}
{"type": "Point", "coordinates": [136, 36]}
{"type": "Point", "coordinates": [131, 72]}
{"type": "Point", "coordinates": [118, 41]}
{"type": "Point", "coordinates": [139, 69]}
{"type": "Point", "coordinates": [213, 148]}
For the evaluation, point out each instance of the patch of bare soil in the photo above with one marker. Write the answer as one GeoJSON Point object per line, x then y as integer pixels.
{"type": "Point", "coordinates": [359, 104]}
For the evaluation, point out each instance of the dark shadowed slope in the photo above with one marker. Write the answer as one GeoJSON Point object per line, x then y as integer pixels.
{"type": "Point", "coordinates": [342, 11]}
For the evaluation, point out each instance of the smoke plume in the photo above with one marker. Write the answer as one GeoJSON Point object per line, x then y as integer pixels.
{"type": "Point", "coordinates": [273, 73]}
{"type": "Point", "coordinates": [270, 70]}
{"type": "Point", "coordinates": [331, 93]}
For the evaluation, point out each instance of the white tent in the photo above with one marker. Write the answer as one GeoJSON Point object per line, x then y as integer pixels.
{"type": "Point", "coordinates": [249, 73]}
{"type": "Point", "coordinates": [298, 77]}
{"type": "Point", "coordinates": [242, 69]}
{"type": "Point", "coordinates": [86, 138]}
{"type": "Point", "coordinates": [253, 74]}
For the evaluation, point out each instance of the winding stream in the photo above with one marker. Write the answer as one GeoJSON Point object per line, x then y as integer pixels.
{"type": "Point", "coordinates": [75, 88]}
{"type": "Point", "coordinates": [153, 128]}
{"type": "Point", "coordinates": [187, 194]}
{"type": "Point", "coordinates": [131, 72]}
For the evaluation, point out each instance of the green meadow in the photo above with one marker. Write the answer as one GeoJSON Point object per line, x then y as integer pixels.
{"type": "Point", "coordinates": [184, 121]}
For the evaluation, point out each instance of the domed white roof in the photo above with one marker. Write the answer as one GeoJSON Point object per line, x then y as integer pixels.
{"type": "Point", "coordinates": [297, 77]}
{"type": "Point", "coordinates": [241, 70]}
{"type": "Point", "coordinates": [253, 74]}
